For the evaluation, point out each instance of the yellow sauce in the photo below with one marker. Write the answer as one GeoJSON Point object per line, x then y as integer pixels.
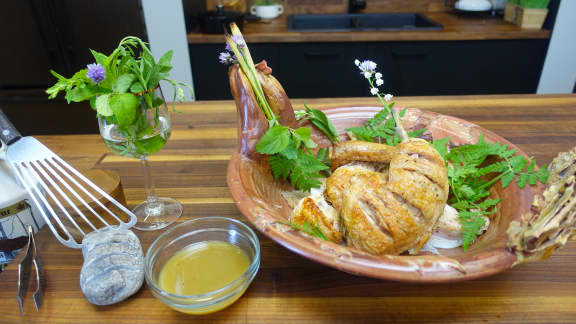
{"type": "Point", "coordinates": [204, 267]}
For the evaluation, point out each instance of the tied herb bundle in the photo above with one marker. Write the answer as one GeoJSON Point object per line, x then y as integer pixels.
{"type": "Point", "coordinates": [471, 173]}
{"type": "Point", "coordinates": [290, 150]}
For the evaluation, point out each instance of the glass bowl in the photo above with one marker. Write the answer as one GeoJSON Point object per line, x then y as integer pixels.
{"type": "Point", "coordinates": [199, 230]}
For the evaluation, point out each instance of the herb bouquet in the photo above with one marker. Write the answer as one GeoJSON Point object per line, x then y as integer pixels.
{"type": "Point", "coordinates": [123, 89]}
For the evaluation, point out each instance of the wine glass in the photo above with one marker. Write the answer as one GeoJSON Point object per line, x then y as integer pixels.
{"type": "Point", "coordinates": [145, 136]}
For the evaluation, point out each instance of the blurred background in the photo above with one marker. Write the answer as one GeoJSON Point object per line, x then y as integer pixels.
{"type": "Point", "coordinates": [449, 48]}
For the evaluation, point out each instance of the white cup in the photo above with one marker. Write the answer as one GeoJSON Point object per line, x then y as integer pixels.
{"type": "Point", "coordinates": [267, 12]}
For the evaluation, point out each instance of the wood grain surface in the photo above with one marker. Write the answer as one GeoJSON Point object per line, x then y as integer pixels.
{"type": "Point", "coordinates": [456, 27]}
{"type": "Point", "coordinates": [289, 288]}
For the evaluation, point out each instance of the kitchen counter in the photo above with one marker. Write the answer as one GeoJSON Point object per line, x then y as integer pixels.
{"type": "Point", "coordinates": [456, 27]}
{"type": "Point", "coordinates": [288, 287]}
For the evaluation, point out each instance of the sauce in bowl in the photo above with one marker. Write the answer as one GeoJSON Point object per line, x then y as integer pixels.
{"type": "Point", "coordinates": [203, 267]}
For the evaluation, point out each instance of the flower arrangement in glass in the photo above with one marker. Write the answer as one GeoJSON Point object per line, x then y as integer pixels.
{"type": "Point", "coordinates": [134, 120]}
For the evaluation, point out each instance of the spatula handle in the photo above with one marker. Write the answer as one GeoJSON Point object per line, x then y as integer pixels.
{"type": "Point", "coordinates": [8, 133]}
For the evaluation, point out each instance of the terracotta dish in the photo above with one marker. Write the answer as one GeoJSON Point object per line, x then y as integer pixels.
{"type": "Point", "coordinates": [258, 196]}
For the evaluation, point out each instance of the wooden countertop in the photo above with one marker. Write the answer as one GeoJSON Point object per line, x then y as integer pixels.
{"type": "Point", "coordinates": [456, 27]}
{"type": "Point", "coordinates": [290, 288]}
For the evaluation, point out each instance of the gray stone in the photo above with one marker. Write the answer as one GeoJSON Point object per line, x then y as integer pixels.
{"type": "Point", "coordinates": [113, 268]}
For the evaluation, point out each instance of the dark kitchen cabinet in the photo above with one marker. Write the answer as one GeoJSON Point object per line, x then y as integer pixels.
{"type": "Point", "coordinates": [321, 70]}
{"type": "Point", "coordinates": [308, 70]}
{"type": "Point", "coordinates": [40, 35]}
{"type": "Point", "coordinates": [305, 70]}
{"type": "Point", "coordinates": [463, 67]}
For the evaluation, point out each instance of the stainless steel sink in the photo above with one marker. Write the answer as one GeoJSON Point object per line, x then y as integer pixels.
{"type": "Point", "coordinates": [360, 22]}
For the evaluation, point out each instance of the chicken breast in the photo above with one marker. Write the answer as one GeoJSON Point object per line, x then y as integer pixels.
{"type": "Point", "coordinates": [338, 184]}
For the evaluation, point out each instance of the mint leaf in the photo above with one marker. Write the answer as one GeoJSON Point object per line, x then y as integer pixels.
{"type": "Point", "coordinates": [137, 87]}
{"type": "Point", "coordinates": [302, 135]}
{"type": "Point", "coordinates": [291, 151]}
{"type": "Point", "coordinates": [274, 140]}
{"type": "Point", "coordinates": [102, 106]}
{"type": "Point", "coordinates": [79, 94]}
{"type": "Point", "coordinates": [319, 119]}
{"type": "Point", "coordinates": [165, 61]}
{"type": "Point", "coordinates": [58, 76]}
{"type": "Point", "coordinates": [123, 83]}
{"type": "Point", "coordinates": [125, 107]}
{"type": "Point", "coordinates": [100, 58]}
{"type": "Point", "coordinates": [80, 75]}
{"type": "Point", "coordinates": [150, 145]}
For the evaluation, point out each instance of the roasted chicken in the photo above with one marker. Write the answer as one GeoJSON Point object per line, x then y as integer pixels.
{"type": "Point", "coordinates": [389, 198]}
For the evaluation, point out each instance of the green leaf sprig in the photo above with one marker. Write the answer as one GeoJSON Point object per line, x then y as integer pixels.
{"type": "Point", "coordinates": [312, 230]}
{"type": "Point", "coordinates": [291, 156]}
{"type": "Point", "coordinates": [382, 128]}
{"type": "Point", "coordinates": [319, 119]}
{"type": "Point", "coordinates": [470, 181]}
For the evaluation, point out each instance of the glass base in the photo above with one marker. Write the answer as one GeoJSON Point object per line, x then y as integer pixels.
{"type": "Point", "coordinates": [158, 216]}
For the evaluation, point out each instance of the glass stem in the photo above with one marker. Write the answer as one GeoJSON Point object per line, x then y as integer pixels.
{"type": "Point", "coordinates": [152, 202]}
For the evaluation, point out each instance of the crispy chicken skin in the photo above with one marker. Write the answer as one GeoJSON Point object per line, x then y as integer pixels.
{"type": "Point", "coordinates": [394, 215]}
{"type": "Point", "coordinates": [314, 210]}
{"type": "Point", "coordinates": [338, 185]}
{"type": "Point", "coordinates": [375, 220]}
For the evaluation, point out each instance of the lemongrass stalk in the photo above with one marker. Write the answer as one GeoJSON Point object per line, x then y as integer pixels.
{"type": "Point", "coordinates": [236, 31]}
{"type": "Point", "coordinates": [250, 63]}
{"type": "Point", "coordinates": [248, 69]}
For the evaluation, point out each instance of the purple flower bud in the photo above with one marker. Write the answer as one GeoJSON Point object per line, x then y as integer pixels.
{"type": "Point", "coordinates": [226, 58]}
{"type": "Point", "coordinates": [96, 72]}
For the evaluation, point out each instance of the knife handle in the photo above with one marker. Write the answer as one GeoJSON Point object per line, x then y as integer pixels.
{"type": "Point", "coordinates": [8, 133]}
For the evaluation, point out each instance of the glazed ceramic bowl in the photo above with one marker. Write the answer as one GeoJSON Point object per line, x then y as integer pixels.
{"type": "Point", "coordinates": [196, 231]}
{"type": "Point", "coordinates": [258, 196]}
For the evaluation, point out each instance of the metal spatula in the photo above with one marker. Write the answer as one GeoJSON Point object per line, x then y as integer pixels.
{"type": "Point", "coordinates": [49, 181]}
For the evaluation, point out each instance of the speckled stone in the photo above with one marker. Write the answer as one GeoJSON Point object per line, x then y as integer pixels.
{"type": "Point", "coordinates": [113, 266]}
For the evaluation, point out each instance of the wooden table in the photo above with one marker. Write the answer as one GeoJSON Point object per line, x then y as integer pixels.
{"type": "Point", "coordinates": [289, 288]}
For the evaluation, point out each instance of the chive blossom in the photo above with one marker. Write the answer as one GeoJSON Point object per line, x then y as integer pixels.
{"type": "Point", "coordinates": [96, 72]}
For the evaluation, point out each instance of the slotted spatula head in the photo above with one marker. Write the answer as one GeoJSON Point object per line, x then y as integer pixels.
{"type": "Point", "coordinates": [47, 178]}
